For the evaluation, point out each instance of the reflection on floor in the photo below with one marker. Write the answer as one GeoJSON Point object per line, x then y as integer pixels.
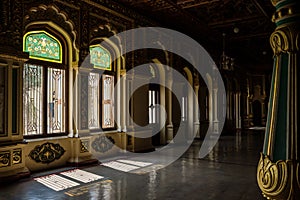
{"type": "Point", "coordinates": [228, 172]}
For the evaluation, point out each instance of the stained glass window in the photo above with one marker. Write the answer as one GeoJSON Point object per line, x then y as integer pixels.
{"type": "Point", "coordinates": [33, 99]}
{"type": "Point", "coordinates": [94, 103]}
{"type": "Point", "coordinates": [107, 101]}
{"type": "Point", "coordinates": [2, 99]}
{"type": "Point", "coordinates": [39, 100]}
{"type": "Point", "coordinates": [56, 101]}
{"type": "Point", "coordinates": [100, 57]}
{"type": "Point", "coordinates": [44, 100]}
{"type": "Point", "coordinates": [43, 46]}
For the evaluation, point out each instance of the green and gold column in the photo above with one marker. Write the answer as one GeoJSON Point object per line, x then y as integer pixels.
{"type": "Point", "coordinates": [278, 169]}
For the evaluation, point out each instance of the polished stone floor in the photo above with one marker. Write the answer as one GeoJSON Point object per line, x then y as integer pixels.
{"type": "Point", "coordinates": [228, 172]}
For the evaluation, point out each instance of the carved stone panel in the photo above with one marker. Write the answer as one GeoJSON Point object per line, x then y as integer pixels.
{"type": "Point", "coordinates": [103, 144]}
{"type": "Point", "coordinates": [4, 158]}
{"type": "Point", "coordinates": [84, 146]}
{"type": "Point", "coordinates": [47, 153]}
{"type": "Point", "coordinates": [17, 156]}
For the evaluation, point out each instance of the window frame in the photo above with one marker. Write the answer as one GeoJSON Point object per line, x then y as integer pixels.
{"type": "Point", "coordinates": [153, 94]}
{"type": "Point", "coordinates": [45, 64]}
{"type": "Point", "coordinates": [100, 116]}
{"type": "Point", "coordinates": [101, 71]}
{"type": "Point", "coordinates": [3, 133]}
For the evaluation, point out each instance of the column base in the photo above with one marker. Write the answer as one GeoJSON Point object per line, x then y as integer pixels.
{"type": "Point", "coordinates": [83, 161]}
{"type": "Point", "coordinates": [280, 180]}
{"type": "Point", "coordinates": [197, 130]}
{"type": "Point", "coordinates": [170, 133]}
{"type": "Point", "coordinates": [82, 155]}
{"type": "Point", "coordinates": [14, 175]}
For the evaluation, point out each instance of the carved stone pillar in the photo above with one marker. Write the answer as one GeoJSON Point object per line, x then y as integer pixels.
{"type": "Point", "coordinates": [169, 112]}
{"type": "Point", "coordinates": [237, 112]}
{"type": "Point", "coordinates": [278, 169]}
{"type": "Point", "coordinates": [123, 101]}
{"type": "Point", "coordinates": [196, 113]}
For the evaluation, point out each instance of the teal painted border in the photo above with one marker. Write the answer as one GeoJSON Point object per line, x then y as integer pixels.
{"type": "Point", "coordinates": [280, 140]}
{"type": "Point", "coordinates": [292, 19]}
{"type": "Point", "coordinates": [284, 3]}
{"type": "Point", "coordinates": [267, 133]}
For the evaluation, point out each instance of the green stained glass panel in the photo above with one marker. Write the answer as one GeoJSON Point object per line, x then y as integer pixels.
{"type": "Point", "coordinates": [43, 46]}
{"type": "Point", "coordinates": [100, 58]}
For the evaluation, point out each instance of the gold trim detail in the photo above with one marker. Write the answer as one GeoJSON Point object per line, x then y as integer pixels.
{"type": "Point", "coordinates": [297, 42]}
{"type": "Point", "coordinates": [285, 39]}
{"type": "Point", "coordinates": [279, 42]}
{"type": "Point", "coordinates": [298, 174]}
{"type": "Point", "coordinates": [278, 181]}
{"type": "Point", "coordinates": [275, 2]}
{"type": "Point", "coordinates": [271, 178]}
{"type": "Point", "coordinates": [284, 13]}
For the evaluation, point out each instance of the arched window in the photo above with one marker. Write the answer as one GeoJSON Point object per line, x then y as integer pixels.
{"type": "Point", "coordinates": [100, 88]}
{"type": "Point", "coordinates": [44, 85]}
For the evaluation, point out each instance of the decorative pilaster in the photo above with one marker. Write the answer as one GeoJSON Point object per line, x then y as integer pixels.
{"type": "Point", "coordinates": [196, 113]}
{"type": "Point", "coordinates": [169, 112]}
{"type": "Point", "coordinates": [123, 101]}
{"type": "Point", "coordinates": [278, 169]}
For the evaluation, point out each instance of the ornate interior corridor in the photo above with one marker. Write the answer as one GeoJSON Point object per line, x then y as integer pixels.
{"type": "Point", "coordinates": [149, 99]}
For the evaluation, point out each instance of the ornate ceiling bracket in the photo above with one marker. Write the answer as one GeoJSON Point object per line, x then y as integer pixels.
{"type": "Point", "coordinates": [42, 13]}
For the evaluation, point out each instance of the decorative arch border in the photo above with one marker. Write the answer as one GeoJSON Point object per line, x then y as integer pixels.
{"type": "Point", "coordinates": [66, 27]}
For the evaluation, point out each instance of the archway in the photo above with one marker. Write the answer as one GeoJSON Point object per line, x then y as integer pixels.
{"type": "Point", "coordinates": [256, 106]}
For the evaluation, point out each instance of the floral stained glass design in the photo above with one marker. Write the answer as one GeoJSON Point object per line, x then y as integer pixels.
{"type": "Point", "coordinates": [108, 101]}
{"type": "Point", "coordinates": [100, 57]}
{"type": "Point", "coordinates": [32, 99]}
{"type": "Point", "coordinates": [43, 46]}
{"type": "Point", "coordinates": [35, 95]}
{"type": "Point", "coordinates": [56, 101]}
{"type": "Point", "coordinates": [93, 90]}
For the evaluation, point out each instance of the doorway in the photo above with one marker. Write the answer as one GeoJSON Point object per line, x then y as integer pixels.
{"type": "Point", "coordinates": [256, 105]}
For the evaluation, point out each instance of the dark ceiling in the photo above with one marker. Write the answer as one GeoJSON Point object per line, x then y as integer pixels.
{"type": "Point", "coordinates": [246, 23]}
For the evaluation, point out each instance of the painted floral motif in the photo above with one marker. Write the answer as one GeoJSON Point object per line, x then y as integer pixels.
{"type": "Point", "coordinates": [43, 46]}
{"type": "Point", "coordinates": [47, 153]}
{"type": "Point", "coordinates": [4, 159]}
{"type": "Point", "coordinates": [84, 146]}
{"type": "Point", "coordinates": [103, 144]}
{"type": "Point", "coordinates": [100, 58]}
{"type": "Point", "coordinates": [17, 156]}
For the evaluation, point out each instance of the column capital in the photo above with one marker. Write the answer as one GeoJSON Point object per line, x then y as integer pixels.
{"type": "Point", "coordinates": [287, 12]}
{"type": "Point", "coordinates": [285, 39]}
